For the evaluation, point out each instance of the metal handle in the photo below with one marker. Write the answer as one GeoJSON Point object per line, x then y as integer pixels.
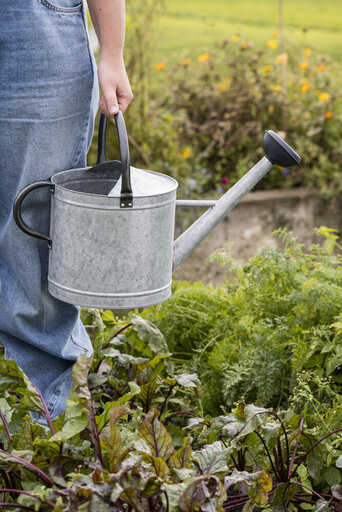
{"type": "Point", "coordinates": [126, 195]}
{"type": "Point", "coordinates": [17, 210]}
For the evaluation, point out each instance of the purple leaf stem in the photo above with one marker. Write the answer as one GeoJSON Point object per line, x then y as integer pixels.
{"type": "Point", "coordinates": [282, 426]}
{"type": "Point", "coordinates": [308, 488]}
{"type": "Point", "coordinates": [330, 496]}
{"type": "Point", "coordinates": [166, 399]}
{"type": "Point", "coordinates": [215, 489]}
{"type": "Point", "coordinates": [276, 463]}
{"type": "Point", "coordinates": [97, 448]}
{"type": "Point", "coordinates": [84, 501]}
{"type": "Point", "coordinates": [110, 339]}
{"type": "Point", "coordinates": [28, 494]}
{"type": "Point", "coordinates": [268, 453]}
{"type": "Point", "coordinates": [46, 410]}
{"type": "Point", "coordinates": [167, 501]}
{"type": "Point", "coordinates": [30, 466]}
{"type": "Point", "coordinates": [237, 496]}
{"type": "Point", "coordinates": [282, 472]}
{"type": "Point", "coordinates": [314, 446]}
{"type": "Point", "coordinates": [296, 448]}
{"type": "Point", "coordinates": [117, 334]}
{"type": "Point", "coordinates": [233, 504]}
{"type": "Point", "coordinates": [5, 477]}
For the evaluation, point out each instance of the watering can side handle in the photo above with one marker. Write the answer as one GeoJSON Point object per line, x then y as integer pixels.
{"type": "Point", "coordinates": [17, 210]}
{"type": "Point", "coordinates": [126, 195]}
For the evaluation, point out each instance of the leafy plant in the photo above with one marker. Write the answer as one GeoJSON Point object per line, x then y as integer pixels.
{"type": "Point", "coordinates": [276, 316]}
{"type": "Point", "coordinates": [133, 438]}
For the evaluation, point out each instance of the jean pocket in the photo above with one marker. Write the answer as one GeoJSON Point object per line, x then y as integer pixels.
{"type": "Point", "coordinates": [64, 6]}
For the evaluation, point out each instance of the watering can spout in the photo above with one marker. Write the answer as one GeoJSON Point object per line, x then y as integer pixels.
{"type": "Point", "coordinates": [278, 152]}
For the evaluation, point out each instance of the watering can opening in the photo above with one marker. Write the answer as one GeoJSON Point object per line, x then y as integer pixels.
{"type": "Point", "coordinates": [106, 180]}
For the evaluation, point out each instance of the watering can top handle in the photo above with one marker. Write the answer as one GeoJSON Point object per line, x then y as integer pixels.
{"type": "Point", "coordinates": [126, 196]}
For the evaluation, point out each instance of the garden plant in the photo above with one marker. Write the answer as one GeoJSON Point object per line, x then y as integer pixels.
{"type": "Point", "coordinates": [147, 427]}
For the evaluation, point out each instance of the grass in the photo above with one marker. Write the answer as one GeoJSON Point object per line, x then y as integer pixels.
{"type": "Point", "coordinates": [191, 27]}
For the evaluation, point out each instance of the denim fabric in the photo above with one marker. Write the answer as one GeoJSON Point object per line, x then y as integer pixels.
{"type": "Point", "coordinates": [48, 102]}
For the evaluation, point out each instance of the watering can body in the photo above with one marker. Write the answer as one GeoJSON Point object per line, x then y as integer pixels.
{"type": "Point", "coordinates": [117, 252]}
{"type": "Point", "coordinates": [105, 256]}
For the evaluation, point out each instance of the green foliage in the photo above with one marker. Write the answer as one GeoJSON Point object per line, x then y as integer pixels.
{"type": "Point", "coordinates": [202, 121]}
{"type": "Point", "coordinates": [277, 316]}
{"type": "Point", "coordinates": [125, 443]}
{"type": "Point", "coordinates": [137, 433]}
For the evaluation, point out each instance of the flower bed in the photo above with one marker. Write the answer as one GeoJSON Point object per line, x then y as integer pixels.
{"type": "Point", "coordinates": [202, 121]}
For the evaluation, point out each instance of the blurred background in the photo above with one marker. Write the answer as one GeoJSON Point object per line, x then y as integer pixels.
{"type": "Point", "coordinates": [209, 78]}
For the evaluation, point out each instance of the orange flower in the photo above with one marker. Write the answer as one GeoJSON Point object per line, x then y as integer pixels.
{"type": "Point", "coordinates": [223, 86]}
{"type": "Point", "coordinates": [160, 66]}
{"type": "Point", "coordinates": [244, 46]}
{"type": "Point", "coordinates": [132, 87]}
{"type": "Point", "coordinates": [277, 88]}
{"type": "Point", "coordinates": [267, 69]}
{"type": "Point", "coordinates": [275, 35]}
{"type": "Point", "coordinates": [305, 87]}
{"type": "Point", "coordinates": [324, 96]}
{"type": "Point", "coordinates": [321, 67]}
{"type": "Point", "coordinates": [271, 109]}
{"type": "Point", "coordinates": [185, 62]}
{"type": "Point", "coordinates": [186, 152]}
{"type": "Point", "coordinates": [307, 52]}
{"type": "Point", "coordinates": [228, 79]}
{"type": "Point", "coordinates": [272, 44]}
{"type": "Point", "coordinates": [329, 115]}
{"type": "Point", "coordinates": [203, 57]}
{"type": "Point", "coordinates": [316, 92]}
{"type": "Point", "coordinates": [303, 65]}
{"type": "Point", "coordinates": [235, 37]}
{"type": "Point", "coordinates": [282, 58]}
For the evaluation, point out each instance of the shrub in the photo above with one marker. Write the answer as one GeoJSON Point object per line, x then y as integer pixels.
{"type": "Point", "coordinates": [203, 122]}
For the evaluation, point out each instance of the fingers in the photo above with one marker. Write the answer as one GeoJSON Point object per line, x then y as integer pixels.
{"type": "Point", "coordinates": [110, 111]}
{"type": "Point", "coordinates": [109, 104]}
{"type": "Point", "coordinates": [116, 89]}
{"type": "Point", "coordinates": [125, 100]}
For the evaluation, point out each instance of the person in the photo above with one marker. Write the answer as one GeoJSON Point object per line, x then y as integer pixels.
{"type": "Point", "coordinates": [48, 103]}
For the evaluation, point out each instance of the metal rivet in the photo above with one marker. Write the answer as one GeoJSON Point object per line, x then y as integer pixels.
{"type": "Point", "coordinates": [130, 204]}
{"type": "Point", "coordinates": [122, 205]}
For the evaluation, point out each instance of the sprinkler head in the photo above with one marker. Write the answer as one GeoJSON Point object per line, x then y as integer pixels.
{"type": "Point", "coordinates": [278, 151]}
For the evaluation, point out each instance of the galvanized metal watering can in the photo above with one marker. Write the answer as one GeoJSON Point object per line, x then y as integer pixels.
{"type": "Point", "coordinates": [117, 251]}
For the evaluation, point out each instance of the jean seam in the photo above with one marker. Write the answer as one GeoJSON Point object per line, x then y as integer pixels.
{"type": "Point", "coordinates": [79, 150]}
{"type": "Point", "coordinates": [63, 10]}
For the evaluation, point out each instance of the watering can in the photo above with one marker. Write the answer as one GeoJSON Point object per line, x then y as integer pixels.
{"type": "Point", "coordinates": [118, 251]}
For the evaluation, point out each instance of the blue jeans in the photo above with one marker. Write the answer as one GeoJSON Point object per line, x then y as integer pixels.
{"type": "Point", "coordinates": [48, 103]}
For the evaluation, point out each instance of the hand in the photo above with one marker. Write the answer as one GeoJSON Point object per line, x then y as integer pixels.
{"type": "Point", "coordinates": [114, 83]}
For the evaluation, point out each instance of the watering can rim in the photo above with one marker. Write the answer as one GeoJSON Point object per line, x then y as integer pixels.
{"type": "Point", "coordinates": [90, 194]}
